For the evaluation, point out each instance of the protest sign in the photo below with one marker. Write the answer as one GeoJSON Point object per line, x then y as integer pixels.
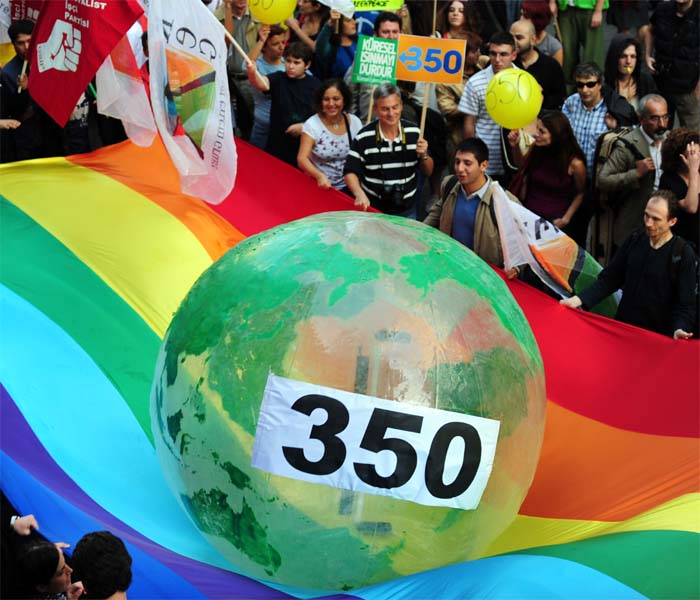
{"type": "Point", "coordinates": [430, 59]}
{"type": "Point", "coordinates": [375, 61]}
{"type": "Point", "coordinates": [361, 5]}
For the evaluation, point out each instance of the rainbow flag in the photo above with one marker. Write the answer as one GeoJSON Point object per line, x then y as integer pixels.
{"type": "Point", "coordinates": [97, 252]}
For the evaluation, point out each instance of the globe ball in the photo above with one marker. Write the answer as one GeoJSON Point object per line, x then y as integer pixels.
{"type": "Point", "coordinates": [380, 306]}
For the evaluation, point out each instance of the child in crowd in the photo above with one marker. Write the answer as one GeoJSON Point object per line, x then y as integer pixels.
{"type": "Point", "coordinates": [291, 95]}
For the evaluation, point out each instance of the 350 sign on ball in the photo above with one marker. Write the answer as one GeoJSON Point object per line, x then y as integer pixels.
{"type": "Point", "coordinates": [372, 445]}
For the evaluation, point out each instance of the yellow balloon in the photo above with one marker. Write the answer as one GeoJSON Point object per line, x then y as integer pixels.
{"type": "Point", "coordinates": [270, 12]}
{"type": "Point", "coordinates": [513, 98]}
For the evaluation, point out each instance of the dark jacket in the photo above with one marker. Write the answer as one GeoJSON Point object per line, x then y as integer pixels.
{"type": "Point", "coordinates": [646, 85]}
{"type": "Point", "coordinates": [657, 294]}
{"type": "Point", "coordinates": [619, 108]}
{"type": "Point", "coordinates": [677, 47]}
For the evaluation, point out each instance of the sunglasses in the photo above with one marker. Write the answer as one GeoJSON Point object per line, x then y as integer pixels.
{"type": "Point", "coordinates": [589, 84]}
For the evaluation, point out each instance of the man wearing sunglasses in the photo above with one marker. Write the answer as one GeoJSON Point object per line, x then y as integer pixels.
{"type": "Point", "coordinates": [633, 170]}
{"type": "Point", "coordinates": [592, 110]}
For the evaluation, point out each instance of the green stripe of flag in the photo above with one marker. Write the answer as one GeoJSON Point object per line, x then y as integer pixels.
{"type": "Point", "coordinates": [44, 272]}
{"type": "Point", "coordinates": [659, 564]}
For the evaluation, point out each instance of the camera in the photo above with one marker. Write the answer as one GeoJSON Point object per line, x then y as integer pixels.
{"type": "Point", "coordinates": [394, 195]}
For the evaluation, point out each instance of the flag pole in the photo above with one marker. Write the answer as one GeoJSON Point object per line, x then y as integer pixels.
{"type": "Point", "coordinates": [371, 105]}
{"type": "Point", "coordinates": [24, 70]}
{"type": "Point", "coordinates": [424, 112]}
{"type": "Point", "coordinates": [237, 47]}
{"type": "Point", "coordinates": [556, 27]}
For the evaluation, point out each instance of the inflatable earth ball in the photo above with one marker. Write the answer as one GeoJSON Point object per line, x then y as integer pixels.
{"type": "Point", "coordinates": [349, 398]}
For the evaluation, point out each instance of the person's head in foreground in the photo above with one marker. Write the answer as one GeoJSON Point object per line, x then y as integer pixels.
{"type": "Point", "coordinates": [44, 573]}
{"type": "Point", "coordinates": [104, 565]}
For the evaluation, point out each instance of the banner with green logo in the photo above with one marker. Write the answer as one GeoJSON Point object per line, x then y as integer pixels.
{"type": "Point", "coordinates": [375, 60]}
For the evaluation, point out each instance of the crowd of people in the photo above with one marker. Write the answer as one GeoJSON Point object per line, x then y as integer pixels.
{"type": "Point", "coordinates": [601, 162]}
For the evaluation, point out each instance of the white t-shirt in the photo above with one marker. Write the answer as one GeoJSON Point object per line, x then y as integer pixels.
{"type": "Point", "coordinates": [330, 150]}
{"type": "Point", "coordinates": [473, 102]}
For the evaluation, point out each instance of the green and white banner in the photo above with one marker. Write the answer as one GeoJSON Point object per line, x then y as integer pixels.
{"type": "Point", "coordinates": [375, 60]}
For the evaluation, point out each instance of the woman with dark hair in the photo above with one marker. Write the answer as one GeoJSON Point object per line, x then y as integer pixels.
{"type": "Point", "coordinates": [552, 177]}
{"type": "Point", "coordinates": [336, 46]}
{"type": "Point", "coordinates": [456, 19]}
{"type": "Point", "coordinates": [326, 136]}
{"type": "Point", "coordinates": [623, 70]}
{"type": "Point", "coordinates": [540, 14]}
{"type": "Point", "coordinates": [680, 163]}
{"type": "Point", "coordinates": [44, 573]}
{"type": "Point", "coordinates": [312, 15]}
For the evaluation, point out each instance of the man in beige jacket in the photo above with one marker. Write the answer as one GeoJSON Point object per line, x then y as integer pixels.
{"type": "Point", "coordinates": [466, 212]}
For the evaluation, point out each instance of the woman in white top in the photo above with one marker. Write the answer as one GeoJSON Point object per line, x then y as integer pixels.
{"type": "Point", "coordinates": [326, 136]}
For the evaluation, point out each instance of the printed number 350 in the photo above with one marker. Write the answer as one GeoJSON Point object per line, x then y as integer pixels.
{"type": "Point", "coordinates": [433, 62]}
{"type": "Point", "coordinates": [375, 440]}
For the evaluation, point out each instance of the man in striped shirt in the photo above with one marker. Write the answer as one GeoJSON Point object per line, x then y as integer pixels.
{"type": "Point", "coordinates": [477, 121]}
{"type": "Point", "coordinates": [380, 170]}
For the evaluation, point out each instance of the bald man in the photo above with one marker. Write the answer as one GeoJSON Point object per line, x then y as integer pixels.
{"type": "Point", "coordinates": [544, 69]}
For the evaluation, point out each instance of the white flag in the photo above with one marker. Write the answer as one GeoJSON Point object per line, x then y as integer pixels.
{"type": "Point", "coordinates": [190, 96]}
{"type": "Point", "coordinates": [121, 89]}
{"type": "Point", "coordinates": [554, 257]}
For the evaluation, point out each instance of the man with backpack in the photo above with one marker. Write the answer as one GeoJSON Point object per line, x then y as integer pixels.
{"type": "Point", "coordinates": [632, 171]}
{"type": "Point", "coordinates": [656, 273]}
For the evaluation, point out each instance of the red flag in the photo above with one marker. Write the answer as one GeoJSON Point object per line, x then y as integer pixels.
{"type": "Point", "coordinates": [24, 9]}
{"type": "Point", "coordinates": [70, 41]}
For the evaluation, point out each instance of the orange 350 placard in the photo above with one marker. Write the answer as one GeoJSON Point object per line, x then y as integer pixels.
{"type": "Point", "coordinates": [430, 59]}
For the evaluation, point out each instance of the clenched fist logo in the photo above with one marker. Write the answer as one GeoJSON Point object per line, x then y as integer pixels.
{"type": "Point", "coordinates": [62, 50]}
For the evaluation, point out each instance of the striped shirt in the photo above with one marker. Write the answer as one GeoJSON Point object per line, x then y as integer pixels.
{"type": "Point", "coordinates": [587, 125]}
{"type": "Point", "coordinates": [380, 163]}
{"type": "Point", "coordinates": [473, 102]}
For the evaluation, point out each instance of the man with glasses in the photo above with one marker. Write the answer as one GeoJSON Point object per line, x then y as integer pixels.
{"type": "Point", "coordinates": [587, 111]}
{"type": "Point", "coordinates": [477, 121]}
{"type": "Point", "coordinates": [592, 110]}
{"type": "Point", "coordinates": [633, 170]}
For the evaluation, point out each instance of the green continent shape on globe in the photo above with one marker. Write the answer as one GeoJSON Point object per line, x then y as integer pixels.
{"type": "Point", "coordinates": [500, 382]}
{"type": "Point", "coordinates": [241, 529]}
